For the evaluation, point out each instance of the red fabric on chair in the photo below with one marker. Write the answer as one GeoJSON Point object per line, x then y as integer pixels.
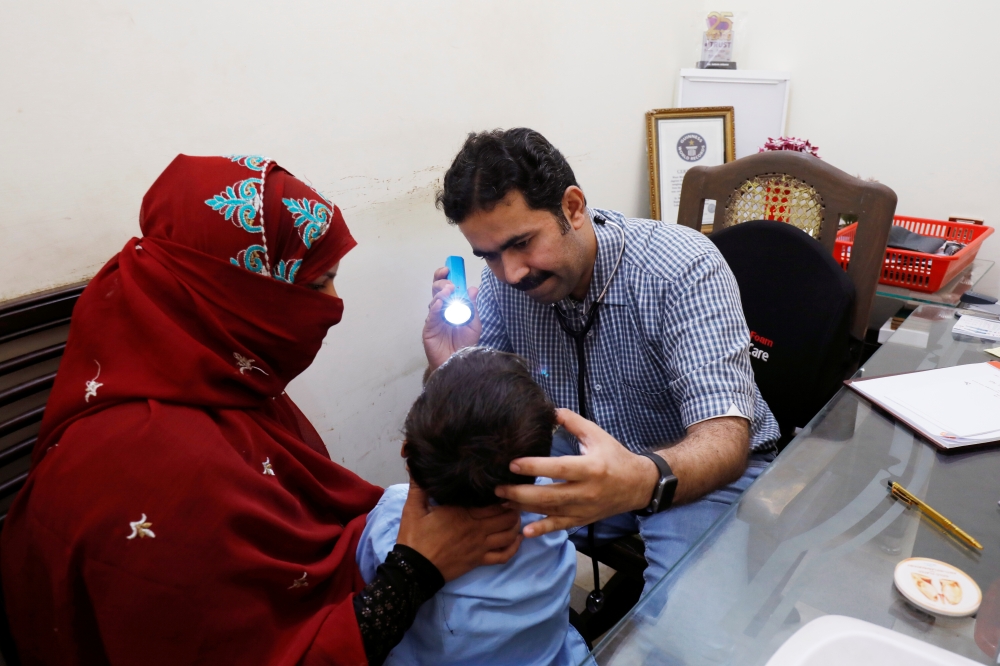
{"type": "Point", "coordinates": [180, 509]}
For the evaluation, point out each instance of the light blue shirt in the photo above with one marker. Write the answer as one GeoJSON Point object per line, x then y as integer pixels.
{"type": "Point", "coordinates": [515, 613]}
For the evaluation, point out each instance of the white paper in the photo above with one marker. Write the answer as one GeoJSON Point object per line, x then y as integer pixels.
{"type": "Point", "coordinates": [977, 327]}
{"type": "Point", "coordinates": [960, 404]}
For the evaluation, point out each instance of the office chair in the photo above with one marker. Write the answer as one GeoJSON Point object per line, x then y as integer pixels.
{"type": "Point", "coordinates": [33, 334]}
{"type": "Point", "coordinates": [798, 303]}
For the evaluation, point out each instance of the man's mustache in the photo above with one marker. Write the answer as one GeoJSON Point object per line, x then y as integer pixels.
{"type": "Point", "coordinates": [532, 280]}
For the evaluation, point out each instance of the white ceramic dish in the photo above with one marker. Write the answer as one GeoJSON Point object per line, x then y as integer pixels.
{"type": "Point", "coordinates": [937, 587]}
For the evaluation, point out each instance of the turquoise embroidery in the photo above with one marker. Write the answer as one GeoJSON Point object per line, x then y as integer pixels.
{"type": "Point", "coordinates": [242, 199]}
{"type": "Point", "coordinates": [314, 215]}
{"type": "Point", "coordinates": [311, 233]}
{"type": "Point", "coordinates": [285, 271]}
{"type": "Point", "coordinates": [254, 162]}
{"type": "Point", "coordinates": [250, 259]}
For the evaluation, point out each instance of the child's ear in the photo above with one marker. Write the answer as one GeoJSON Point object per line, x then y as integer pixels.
{"type": "Point", "coordinates": [402, 450]}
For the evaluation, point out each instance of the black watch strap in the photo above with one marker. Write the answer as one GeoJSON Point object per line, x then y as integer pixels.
{"type": "Point", "coordinates": [663, 492]}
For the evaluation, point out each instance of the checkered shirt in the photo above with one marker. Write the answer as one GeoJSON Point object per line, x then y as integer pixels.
{"type": "Point", "coordinates": [669, 347]}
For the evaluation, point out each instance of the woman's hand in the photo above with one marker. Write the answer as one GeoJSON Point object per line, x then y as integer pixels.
{"type": "Point", "coordinates": [457, 540]}
{"type": "Point", "coordinates": [441, 339]}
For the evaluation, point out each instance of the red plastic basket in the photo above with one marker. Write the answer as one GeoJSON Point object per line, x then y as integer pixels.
{"type": "Point", "coordinates": [920, 271]}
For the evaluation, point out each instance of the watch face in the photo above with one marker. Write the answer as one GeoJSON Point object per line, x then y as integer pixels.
{"type": "Point", "coordinates": [658, 492]}
{"type": "Point", "coordinates": [663, 491]}
{"type": "Point", "coordinates": [658, 503]}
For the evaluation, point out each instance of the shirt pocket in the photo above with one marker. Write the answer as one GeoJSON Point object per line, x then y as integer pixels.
{"type": "Point", "coordinates": [653, 418]}
{"type": "Point", "coordinates": [641, 377]}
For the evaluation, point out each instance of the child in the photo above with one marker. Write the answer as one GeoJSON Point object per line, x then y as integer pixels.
{"type": "Point", "coordinates": [479, 411]}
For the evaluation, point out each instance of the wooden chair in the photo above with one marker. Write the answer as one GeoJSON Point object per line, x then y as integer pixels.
{"type": "Point", "coordinates": [808, 193]}
{"type": "Point", "coordinates": [33, 334]}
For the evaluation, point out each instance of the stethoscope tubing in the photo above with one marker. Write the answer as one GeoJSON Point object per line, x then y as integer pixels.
{"type": "Point", "coordinates": [595, 600]}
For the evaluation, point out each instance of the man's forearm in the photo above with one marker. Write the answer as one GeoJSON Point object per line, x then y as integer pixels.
{"type": "Point", "coordinates": [713, 454]}
{"type": "Point", "coordinates": [609, 479]}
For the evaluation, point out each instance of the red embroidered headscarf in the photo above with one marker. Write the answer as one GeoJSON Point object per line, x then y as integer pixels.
{"type": "Point", "coordinates": [180, 509]}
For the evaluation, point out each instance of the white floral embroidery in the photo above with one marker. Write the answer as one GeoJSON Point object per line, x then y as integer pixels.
{"type": "Point", "coordinates": [93, 385]}
{"type": "Point", "coordinates": [300, 582]}
{"type": "Point", "coordinates": [245, 363]}
{"type": "Point", "coordinates": [140, 528]}
{"type": "Point", "coordinates": [268, 469]}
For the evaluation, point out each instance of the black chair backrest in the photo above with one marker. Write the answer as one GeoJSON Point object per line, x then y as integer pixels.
{"type": "Point", "coordinates": [33, 334]}
{"type": "Point", "coordinates": [798, 304]}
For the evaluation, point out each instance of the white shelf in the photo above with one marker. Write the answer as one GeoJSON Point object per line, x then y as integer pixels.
{"type": "Point", "coordinates": [759, 97]}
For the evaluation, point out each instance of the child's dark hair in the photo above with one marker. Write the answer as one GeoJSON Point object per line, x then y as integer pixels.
{"type": "Point", "coordinates": [478, 411]}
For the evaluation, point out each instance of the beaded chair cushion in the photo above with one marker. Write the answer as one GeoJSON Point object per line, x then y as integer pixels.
{"type": "Point", "coordinates": [780, 197]}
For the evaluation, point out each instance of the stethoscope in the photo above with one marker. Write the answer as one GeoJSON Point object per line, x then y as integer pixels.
{"type": "Point", "coordinates": [595, 600]}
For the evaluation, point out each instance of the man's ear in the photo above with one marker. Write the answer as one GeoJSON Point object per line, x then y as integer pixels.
{"type": "Point", "coordinates": [574, 205]}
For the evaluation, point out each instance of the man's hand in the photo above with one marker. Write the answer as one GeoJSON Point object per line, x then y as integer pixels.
{"type": "Point", "coordinates": [606, 480]}
{"type": "Point", "coordinates": [457, 540]}
{"type": "Point", "coordinates": [441, 339]}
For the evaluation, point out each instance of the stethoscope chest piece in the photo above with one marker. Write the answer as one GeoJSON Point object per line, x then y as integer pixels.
{"type": "Point", "coordinates": [595, 601]}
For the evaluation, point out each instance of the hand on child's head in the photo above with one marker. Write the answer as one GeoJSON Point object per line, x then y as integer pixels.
{"type": "Point", "coordinates": [477, 412]}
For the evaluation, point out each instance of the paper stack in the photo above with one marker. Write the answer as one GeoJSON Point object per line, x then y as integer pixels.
{"type": "Point", "coordinates": [952, 407]}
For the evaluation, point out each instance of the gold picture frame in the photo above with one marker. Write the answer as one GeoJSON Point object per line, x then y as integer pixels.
{"type": "Point", "coordinates": [679, 120]}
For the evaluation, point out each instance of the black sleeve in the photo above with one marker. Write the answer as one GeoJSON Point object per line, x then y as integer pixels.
{"type": "Point", "coordinates": [388, 605]}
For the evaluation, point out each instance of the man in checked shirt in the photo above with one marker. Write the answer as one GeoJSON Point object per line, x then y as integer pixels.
{"type": "Point", "coordinates": [668, 376]}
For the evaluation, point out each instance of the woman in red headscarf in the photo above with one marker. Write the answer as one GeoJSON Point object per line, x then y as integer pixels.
{"type": "Point", "coordinates": [180, 509]}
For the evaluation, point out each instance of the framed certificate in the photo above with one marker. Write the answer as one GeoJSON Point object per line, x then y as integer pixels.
{"type": "Point", "coordinates": [678, 139]}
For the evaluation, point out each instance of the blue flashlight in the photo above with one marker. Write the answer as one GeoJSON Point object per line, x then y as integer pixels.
{"type": "Point", "coordinates": [458, 309]}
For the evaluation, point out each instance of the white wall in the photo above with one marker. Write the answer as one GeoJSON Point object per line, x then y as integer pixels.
{"type": "Point", "coordinates": [371, 100]}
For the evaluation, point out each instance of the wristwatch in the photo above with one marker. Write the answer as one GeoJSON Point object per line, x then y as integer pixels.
{"type": "Point", "coordinates": [663, 492]}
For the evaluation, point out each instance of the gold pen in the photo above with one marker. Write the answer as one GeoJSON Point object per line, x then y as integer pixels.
{"type": "Point", "coordinates": [904, 495]}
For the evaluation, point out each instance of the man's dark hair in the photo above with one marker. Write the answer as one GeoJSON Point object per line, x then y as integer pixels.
{"type": "Point", "coordinates": [478, 411]}
{"type": "Point", "coordinates": [491, 164]}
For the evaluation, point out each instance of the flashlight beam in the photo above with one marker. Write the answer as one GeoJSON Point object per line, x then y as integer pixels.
{"type": "Point", "coordinates": [458, 312]}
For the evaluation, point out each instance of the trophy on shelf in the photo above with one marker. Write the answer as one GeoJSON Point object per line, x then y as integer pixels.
{"type": "Point", "coordinates": [717, 42]}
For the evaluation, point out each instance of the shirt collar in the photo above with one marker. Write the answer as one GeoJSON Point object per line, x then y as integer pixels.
{"type": "Point", "coordinates": [609, 245]}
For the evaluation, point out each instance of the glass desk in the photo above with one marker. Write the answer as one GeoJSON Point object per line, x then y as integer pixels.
{"type": "Point", "coordinates": [976, 276]}
{"type": "Point", "coordinates": [818, 534]}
